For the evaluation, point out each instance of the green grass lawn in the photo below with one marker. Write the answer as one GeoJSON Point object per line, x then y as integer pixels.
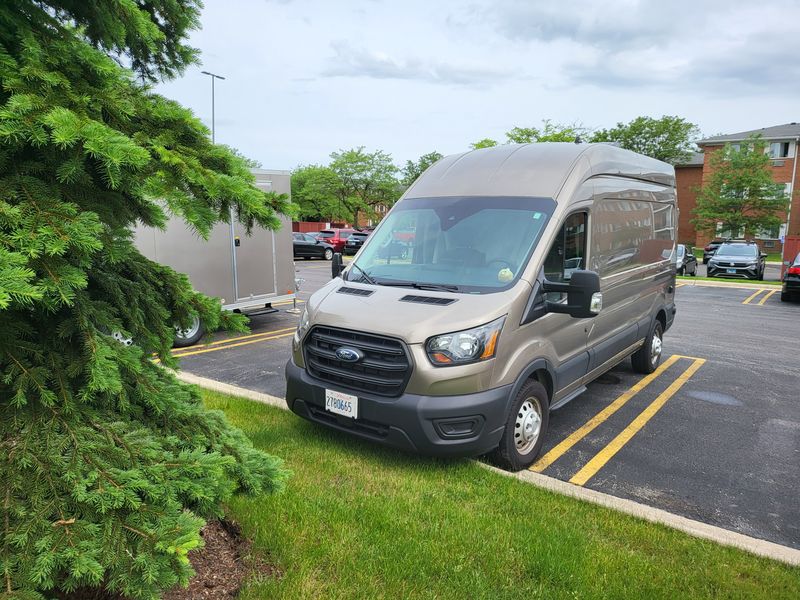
{"type": "Point", "coordinates": [359, 521]}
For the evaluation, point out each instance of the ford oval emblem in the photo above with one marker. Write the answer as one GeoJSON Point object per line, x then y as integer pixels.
{"type": "Point", "coordinates": [349, 354]}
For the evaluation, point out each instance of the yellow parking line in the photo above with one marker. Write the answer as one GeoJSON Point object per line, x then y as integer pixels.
{"type": "Point", "coordinates": [766, 297]}
{"type": "Point", "coordinates": [243, 337]}
{"type": "Point", "coordinates": [753, 295]}
{"type": "Point", "coordinates": [263, 339]}
{"type": "Point", "coordinates": [576, 436]}
{"type": "Point", "coordinates": [615, 445]}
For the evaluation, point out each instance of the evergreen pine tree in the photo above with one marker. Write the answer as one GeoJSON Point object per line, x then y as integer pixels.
{"type": "Point", "coordinates": [108, 465]}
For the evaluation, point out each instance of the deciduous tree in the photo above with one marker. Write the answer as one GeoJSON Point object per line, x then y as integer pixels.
{"type": "Point", "coordinates": [670, 139]}
{"type": "Point", "coordinates": [414, 169]}
{"type": "Point", "coordinates": [484, 143]}
{"type": "Point", "coordinates": [315, 189]}
{"type": "Point", "coordinates": [740, 193]}
{"type": "Point", "coordinates": [550, 132]}
{"type": "Point", "coordinates": [108, 465]}
{"type": "Point", "coordinates": [367, 179]}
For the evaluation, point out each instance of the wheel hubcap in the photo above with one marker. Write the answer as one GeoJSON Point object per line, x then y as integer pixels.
{"type": "Point", "coordinates": [655, 348]}
{"type": "Point", "coordinates": [191, 331]}
{"type": "Point", "coordinates": [527, 425]}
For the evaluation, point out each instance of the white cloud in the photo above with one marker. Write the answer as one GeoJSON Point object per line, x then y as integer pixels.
{"type": "Point", "coordinates": [307, 78]}
{"type": "Point", "coordinates": [348, 61]}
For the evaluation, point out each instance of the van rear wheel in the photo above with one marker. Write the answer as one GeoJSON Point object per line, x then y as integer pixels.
{"type": "Point", "coordinates": [645, 359]}
{"type": "Point", "coordinates": [525, 428]}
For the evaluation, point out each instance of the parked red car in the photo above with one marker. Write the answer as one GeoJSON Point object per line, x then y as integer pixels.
{"type": "Point", "coordinates": [335, 237]}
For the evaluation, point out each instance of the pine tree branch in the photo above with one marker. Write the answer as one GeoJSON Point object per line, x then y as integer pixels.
{"type": "Point", "coordinates": [6, 512]}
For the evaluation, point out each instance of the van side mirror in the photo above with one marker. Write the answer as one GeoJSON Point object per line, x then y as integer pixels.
{"type": "Point", "coordinates": [337, 266]}
{"type": "Point", "coordinates": [584, 299]}
{"type": "Point", "coordinates": [763, 255]}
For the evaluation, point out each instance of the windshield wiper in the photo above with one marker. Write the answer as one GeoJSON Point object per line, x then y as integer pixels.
{"type": "Point", "coordinates": [364, 275]}
{"type": "Point", "coordinates": [441, 287]}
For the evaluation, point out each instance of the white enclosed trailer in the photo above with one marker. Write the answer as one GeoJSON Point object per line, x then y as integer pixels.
{"type": "Point", "coordinates": [248, 273]}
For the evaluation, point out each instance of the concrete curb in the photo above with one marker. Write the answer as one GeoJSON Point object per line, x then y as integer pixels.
{"type": "Point", "coordinates": [232, 390]}
{"type": "Point", "coordinates": [698, 529]}
{"type": "Point", "coordinates": [723, 284]}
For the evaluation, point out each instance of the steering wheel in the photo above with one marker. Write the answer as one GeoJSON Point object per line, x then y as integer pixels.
{"type": "Point", "coordinates": [502, 261]}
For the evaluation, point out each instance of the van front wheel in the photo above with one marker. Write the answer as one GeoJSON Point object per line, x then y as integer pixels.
{"type": "Point", "coordinates": [645, 359]}
{"type": "Point", "coordinates": [525, 428]}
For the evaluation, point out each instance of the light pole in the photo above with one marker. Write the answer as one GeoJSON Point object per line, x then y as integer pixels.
{"type": "Point", "coordinates": [214, 76]}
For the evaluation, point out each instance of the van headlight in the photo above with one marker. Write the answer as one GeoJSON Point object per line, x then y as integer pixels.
{"type": "Point", "coordinates": [302, 325]}
{"type": "Point", "coordinates": [464, 347]}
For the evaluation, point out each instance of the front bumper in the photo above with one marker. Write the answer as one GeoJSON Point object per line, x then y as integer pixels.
{"type": "Point", "coordinates": [465, 425]}
{"type": "Point", "coordinates": [748, 272]}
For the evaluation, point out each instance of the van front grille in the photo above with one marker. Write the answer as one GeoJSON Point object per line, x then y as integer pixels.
{"type": "Point", "coordinates": [383, 367]}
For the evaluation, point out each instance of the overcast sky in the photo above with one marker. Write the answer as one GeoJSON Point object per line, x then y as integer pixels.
{"type": "Point", "coordinates": [308, 77]}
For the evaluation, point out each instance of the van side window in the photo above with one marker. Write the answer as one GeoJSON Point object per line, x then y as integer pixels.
{"type": "Point", "coordinates": [568, 252]}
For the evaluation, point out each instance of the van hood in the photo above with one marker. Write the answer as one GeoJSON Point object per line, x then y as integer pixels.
{"type": "Point", "coordinates": [407, 313]}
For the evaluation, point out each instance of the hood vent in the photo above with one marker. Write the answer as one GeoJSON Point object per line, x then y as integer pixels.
{"type": "Point", "coordinates": [355, 291]}
{"type": "Point", "coordinates": [428, 300]}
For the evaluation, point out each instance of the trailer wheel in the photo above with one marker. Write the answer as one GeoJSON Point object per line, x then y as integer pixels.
{"type": "Point", "coordinates": [189, 336]}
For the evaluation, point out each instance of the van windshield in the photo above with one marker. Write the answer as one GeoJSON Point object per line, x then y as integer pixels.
{"type": "Point", "coordinates": [465, 244]}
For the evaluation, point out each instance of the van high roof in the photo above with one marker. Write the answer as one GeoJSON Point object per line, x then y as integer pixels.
{"type": "Point", "coordinates": [533, 170]}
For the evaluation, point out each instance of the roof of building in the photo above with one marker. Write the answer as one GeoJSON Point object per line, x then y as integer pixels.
{"type": "Point", "coordinates": [696, 160]}
{"type": "Point", "coordinates": [776, 132]}
{"type": "Point", "coordinates": [533, 170]}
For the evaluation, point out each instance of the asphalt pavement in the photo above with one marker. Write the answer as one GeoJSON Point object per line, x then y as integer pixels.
{"type": "Point", "coordinates": [713, 436]}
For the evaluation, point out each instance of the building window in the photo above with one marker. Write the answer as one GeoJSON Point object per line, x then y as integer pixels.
{"type": "Point", "coordinates": [779, 150]}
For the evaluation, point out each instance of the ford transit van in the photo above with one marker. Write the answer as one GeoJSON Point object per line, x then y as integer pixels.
{"type": "Point", "coordinates": [500, 284]}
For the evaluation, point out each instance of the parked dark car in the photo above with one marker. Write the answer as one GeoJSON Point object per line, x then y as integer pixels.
{"type": "Point", "coordinates": [685, 261]}
{"type": "Point", "coordinates": [307, 246]}
{"type": "Point", "coordinates": [355, 241]}
{"type": "Point", "coordinates": [743, 260]}
{"type": "Point", "coordinates": [711, 248]}
{"type": "Point", "coordinates": [335, 237]}
{"type": "Point", "coordinates": [791, 281]}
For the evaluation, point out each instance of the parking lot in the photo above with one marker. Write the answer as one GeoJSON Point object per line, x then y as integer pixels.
{"type": "Point", "coordinates": [713, 435]}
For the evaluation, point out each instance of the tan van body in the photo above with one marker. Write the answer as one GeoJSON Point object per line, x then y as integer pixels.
{"type": "Point", "coordinates": [618, 206]}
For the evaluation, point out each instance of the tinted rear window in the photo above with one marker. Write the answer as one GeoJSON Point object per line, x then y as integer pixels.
{"type": "Point", "coordinates": [326, 234]}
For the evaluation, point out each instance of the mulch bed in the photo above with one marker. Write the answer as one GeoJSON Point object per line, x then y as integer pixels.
{"type": "Point", "coordinates": [220, 568]}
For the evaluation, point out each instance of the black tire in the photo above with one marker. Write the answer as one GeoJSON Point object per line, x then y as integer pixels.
{"type": "Point", "coordinates": [760, 276]}
{"type": "Point", "coordinates": [694, 271]}
{"type": "Point", "coordinates": [645, 360]}
{"type": "Point", "coordinates": [785, 296]}
{"type": "Point", "coordinates": [328, 254]}
{"type": "Point", "coordinates": [681, 271]}
{"type": "Point", "coordinates": [515, 453]}
{"type": "Point", "coordinates": [189, 337]}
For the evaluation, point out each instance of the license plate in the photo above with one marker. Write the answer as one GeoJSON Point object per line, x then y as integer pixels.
{"type": "Point", "coordinates": [731, 270]}
{"type": "Point", "coordinates": [341, 404]}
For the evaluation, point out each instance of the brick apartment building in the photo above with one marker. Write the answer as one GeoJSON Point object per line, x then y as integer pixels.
{"type": "Point", "coordinates": [783, 142]}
